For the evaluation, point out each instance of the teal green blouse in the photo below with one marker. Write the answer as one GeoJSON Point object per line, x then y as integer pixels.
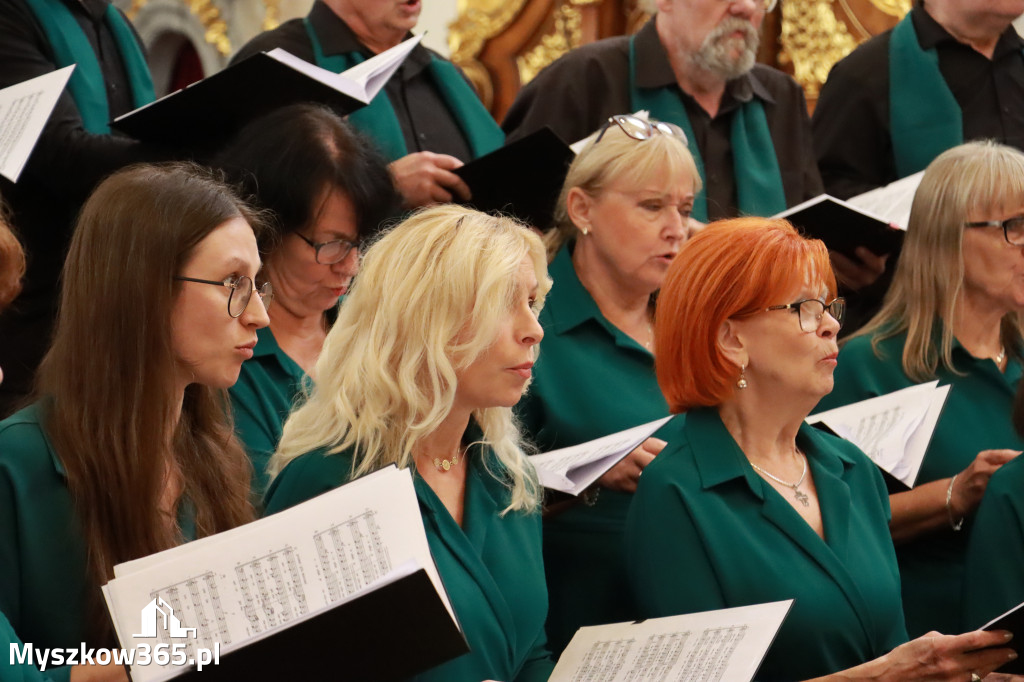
{"type": "Point", "coordinates": [267, 387]}
{"type": "Point", "coordinates": [590, 380]}
{"type": "Point", "coordinates": [976, 417]}
{"type": "Point", "coordinates": [492, 567]}
{"type": "Point", "coordinates": [18, 672]}
{"type": "Point", "coordinates": [706, 532]}
{"type": "Point", "coordinates": [994, 571]}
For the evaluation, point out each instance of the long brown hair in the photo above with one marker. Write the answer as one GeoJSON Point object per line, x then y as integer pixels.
{"type": "Point", "coordinates": [108, 381]}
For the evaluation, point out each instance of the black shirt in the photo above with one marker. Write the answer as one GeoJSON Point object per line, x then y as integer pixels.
{"type": "Point", "coordinates": [576, 94]}
{"type": "Point", "coordinates": [851, 122]}
{"type": "Point", "coordinates": [426, 122]}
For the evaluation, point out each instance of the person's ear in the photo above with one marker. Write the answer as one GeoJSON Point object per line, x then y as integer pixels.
{"type": "Point", "coordinates": [731, 343]}
{"type": "Point", "coordinates": [579, 206]}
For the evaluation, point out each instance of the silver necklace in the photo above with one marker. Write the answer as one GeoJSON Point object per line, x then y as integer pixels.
{"type": "Point", "coordinates": [800, 496]}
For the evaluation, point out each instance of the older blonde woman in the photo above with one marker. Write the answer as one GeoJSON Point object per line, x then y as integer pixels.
{"type": "Point", "coordinates": [622, 216]}
{"type": "Point", "coordinates": [431, 349]}
{"type": "Point", "coordinates": [953, 313]}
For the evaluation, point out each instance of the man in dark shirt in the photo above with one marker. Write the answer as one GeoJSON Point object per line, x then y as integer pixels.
{"type": "Point", "coordinates": [976, 91]}
{"type": "Point", "coordinates": [693, 65]}
{"type": "Point", "coordinates": [438, 121]}
{"type": "Point", "coordinates": [67, 162]}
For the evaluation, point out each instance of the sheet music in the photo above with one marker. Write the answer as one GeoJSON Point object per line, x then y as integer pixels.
{"type": "Point", "coordinates": [246, 582]}
{"type": "Point", "coordinates": [24, 110]}
{"type": "Point", "coordinates": [891, 203]}
{"type": "Point", "coordinates": [574, 468]}
{"type": "Point", "coordinates": [726, 645]}
{"type": "Point", "coordinates": [893, 429]}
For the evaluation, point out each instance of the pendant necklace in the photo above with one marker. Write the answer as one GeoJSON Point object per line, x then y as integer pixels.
{"type": "Point", "coordinates": [800, 496]}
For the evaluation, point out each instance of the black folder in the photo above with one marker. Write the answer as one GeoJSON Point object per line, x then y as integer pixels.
{"type": "Point", "coordinates": [843, 227]}
{"type": "Point", "coordinates": [523, 178]}
{"type": "Point", "coordinates": [1012, 620]}
{"type": "Point", "coordinates": [391, 633]}
{"type": "Point", "coordinates": [204, 115]}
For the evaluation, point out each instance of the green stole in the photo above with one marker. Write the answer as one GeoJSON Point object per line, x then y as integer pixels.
{"type": "Point", "coordinates": [924, 117]}
{"type": "Point", "coordinates": [759, 190]}
{"type": "Point", "coordinates": [378, 121]}
{"type": "Point", "coordinates": [71, 46]}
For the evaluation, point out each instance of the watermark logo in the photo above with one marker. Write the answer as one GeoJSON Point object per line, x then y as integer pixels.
{"type": "Point", "coordinates": [156, 610]}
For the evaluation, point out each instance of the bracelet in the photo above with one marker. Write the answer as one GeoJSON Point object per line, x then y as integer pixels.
{"type": "Point", "coordinates": [955, 525]}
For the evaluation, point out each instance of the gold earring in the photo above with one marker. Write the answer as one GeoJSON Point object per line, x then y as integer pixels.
{"type": "Point", "coordinates": [585, 231]}
{"type": "Point", "coordinates": [742, 383]}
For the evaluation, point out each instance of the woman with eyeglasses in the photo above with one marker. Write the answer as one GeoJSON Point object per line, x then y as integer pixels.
{"type": "Point", "coordinates": [953, 313]}
{"type": "Point", "coordinates": [429, 353]}
{"type": "Point", "coordinates": [127, 450]}
{"type": "Point", "coordinates": [325, 190]}
{"type": "Point", "coordinates": [622, 216]}
{"type": "Point", "coordinates": [747, 504]}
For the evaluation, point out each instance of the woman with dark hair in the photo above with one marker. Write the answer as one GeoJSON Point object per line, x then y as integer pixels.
{"type": "Point", "coordinates": [747, 503]}
{"type": "Point", "coordinates": [326, 191]}
{"type": "Point", "coordinates": [127, 451]}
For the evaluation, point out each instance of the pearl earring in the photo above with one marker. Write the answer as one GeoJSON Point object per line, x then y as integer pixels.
{"type": "Point", "coordinates": [742, 383]}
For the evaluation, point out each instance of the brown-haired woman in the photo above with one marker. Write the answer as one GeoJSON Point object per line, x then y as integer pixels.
{"type": "Point", "coordinates": [128, 452]}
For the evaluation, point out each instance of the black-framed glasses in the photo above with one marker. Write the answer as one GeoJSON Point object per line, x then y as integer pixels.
{"type": "Point", "coordinates": [812, 311]}
{"type": "Point", "coordinates": [1013, 228]}
{"type": "Point", "coordinates": [241, 292]}
{"type": "Point", "coordinates": [640, 129]}
{"type": "Point", "coordinates": [334, 251]}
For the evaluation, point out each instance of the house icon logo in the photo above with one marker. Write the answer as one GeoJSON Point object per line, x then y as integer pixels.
{"type": "Point", "coordinates": [156, 609]}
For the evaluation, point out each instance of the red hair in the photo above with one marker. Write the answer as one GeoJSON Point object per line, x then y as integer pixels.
{"type": "Point", "coordinates": [732, 269]}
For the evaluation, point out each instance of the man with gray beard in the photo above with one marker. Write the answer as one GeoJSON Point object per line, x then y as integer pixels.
{"type": "Point", "coordinates": [692, 65]}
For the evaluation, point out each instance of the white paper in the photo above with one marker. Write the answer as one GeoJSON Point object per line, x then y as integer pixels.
{"type": "Point", "coordinates": [572, 469]}
{"type": "Point", "coordinates": [24, 110]}
{"type": "Point", "coordinates": [892, 429]}
{"type": "Point", "coordinates": [828, 197]}
{"type": "Point", "coordinates": [245, 583]}
{"type": "Point", "coordinates": [892, 203]}
{"type": "Point", "coordinates": [726, 645]}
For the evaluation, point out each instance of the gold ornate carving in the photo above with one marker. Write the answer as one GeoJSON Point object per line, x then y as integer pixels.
{"type": "Point", "coordinates": [271, 14]}
{"type": "Point", "coordinates": [813, 40]}
{"type": "Point", "coordinates": [567, 34]}
{"type": "Point", "coordinates": [477, 22]}
{"type": "Point", "coordinates": [896, 8]}
{"type": "Point", "coordinates": [209, 16]}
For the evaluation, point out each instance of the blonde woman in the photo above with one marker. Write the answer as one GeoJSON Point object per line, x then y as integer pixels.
{"type": "Point", "coordinates": [953, 313]}
{"type": "Point", "coordinates": [622, 216]}
{"type": "Point", "coordinates": [431, 349]}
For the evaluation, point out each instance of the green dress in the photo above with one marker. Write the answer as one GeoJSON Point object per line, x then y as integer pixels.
{"type": "Point", "coordinates": [590, 380]}
{"type": "Point", "coordinates": [994, 571]}
{"type": "Point", "coordinates": [976, 417]}
{"type": "Point", "coordinates": [261, 399]}
{"type": "Point", "coordinates": [492, 567]}
{"type": "Point", "coordinates": [19, 672]}
{"type": "Point", "coordinates": [706, 532]}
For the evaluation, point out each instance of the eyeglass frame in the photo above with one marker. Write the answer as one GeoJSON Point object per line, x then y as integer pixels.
{"type": "Point", "coordinates": [648, 128]}
{"type": "Point", "coordinates": [825, 307]}
{"type": "Point", "coordinates": [998, 223]}
{"type": "Point", "coordinates": [357, 245]}
{"type": "Point", "coordinates": [265, 291]}
{"type": "Point", "coordinates": [767, 5]}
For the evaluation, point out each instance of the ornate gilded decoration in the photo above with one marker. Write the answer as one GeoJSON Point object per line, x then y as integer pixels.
{"type": "Point", "coordinates": [477, 22]}
{"type": "Point", "coordinates": [567, 34]}
{"type": "Point", "coordinates": [896, 8]}
{"type": "Point", "coordinates": [813, 40]}
{"type": "Point", "coordinates": [271, 14]}
{"type": "Point", "coordinates": [209, 16]}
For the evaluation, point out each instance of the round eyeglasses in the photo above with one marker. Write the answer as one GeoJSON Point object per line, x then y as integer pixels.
{"type": "Point", "coordinates": [641, 129]}
{"type": "Point", "coordinates": [241, 292]}
{"type": "Point", "coordinates": [1013, 228]}
{"type": "Point", "coordinates": [334, 251]}
{"type": "Point", "coordinates": [812, 311]}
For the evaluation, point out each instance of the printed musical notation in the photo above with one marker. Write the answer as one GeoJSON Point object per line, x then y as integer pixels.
{"type": "Point", "coordinates": [352, 555]}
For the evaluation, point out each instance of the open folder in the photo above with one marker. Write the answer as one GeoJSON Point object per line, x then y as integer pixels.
{"type": "Point", "coordinates": [24, 110]}
{"type": "Point", "coordinates": [322, 589]}
{"type": "Point", "coordinates": [894, 429]}
{"type": "Point", "coordinates": [1011, 621]}
{"type": "Point", "coordinates": [574, 469]}
{"type": "Point", "coordinates": [728, 644]}
{"type": "Point", "coordinates": [206, 114]}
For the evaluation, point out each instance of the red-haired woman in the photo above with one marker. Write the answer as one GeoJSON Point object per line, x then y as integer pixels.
{"type": "Point", "coordinates": [747, 504]}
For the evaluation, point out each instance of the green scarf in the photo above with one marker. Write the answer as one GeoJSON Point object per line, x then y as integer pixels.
{"type": "Point", "coordinates": [759, 190]}
{"type": "Point", "coordinates": [71, 46]}
{"type": "Point", "coordinates": [924, 117]}
{"type": "Point", "coordinates": [378, 120]}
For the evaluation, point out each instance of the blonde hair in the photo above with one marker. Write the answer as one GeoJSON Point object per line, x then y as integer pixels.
{"type": "Point", "coordinates": [428, 300]}
{"type": "Point", "coordinates": [971, 179]}
{"type": "Point", "coordinates": [615, 157]}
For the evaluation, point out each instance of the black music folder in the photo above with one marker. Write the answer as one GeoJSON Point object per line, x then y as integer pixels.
{"type": "Point", "coordinates": [843, 227]}
{"type": "Point", "coordinates": [1013, 621]}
